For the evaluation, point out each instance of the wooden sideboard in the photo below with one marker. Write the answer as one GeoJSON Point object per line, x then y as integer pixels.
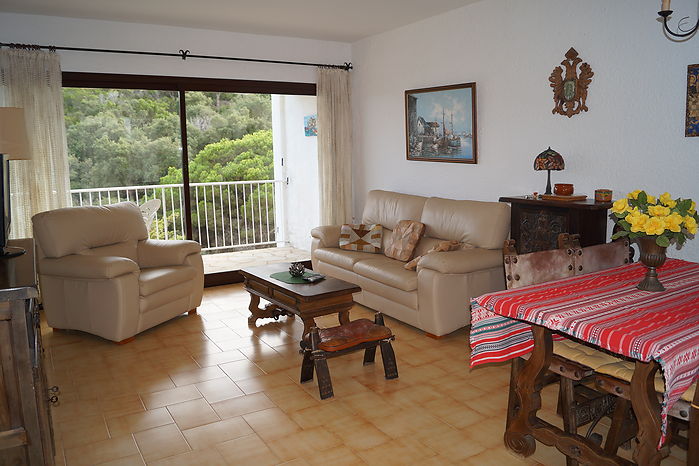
{"type": "Point", "coordinates": [26, 436]}
{"type": "Point", "coordinates": [536, 223]}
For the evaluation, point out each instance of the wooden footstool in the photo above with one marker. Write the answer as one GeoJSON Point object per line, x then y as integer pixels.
{"type": "Point", "coordinates": [325, 343]}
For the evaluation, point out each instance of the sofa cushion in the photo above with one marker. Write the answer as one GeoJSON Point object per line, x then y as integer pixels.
{"type": "Point", "coordinates": [158, 278]}
{"type": "Point", "coordinates": [404, 240]}
{"type": "Point", "coordinates": [388, 208]}
{"type": "Point", "coordinates": [340, 257]}
{"type": "Point", "coordinates": [481, 224]}
{"type": "Point", "coordinates": [362, 237]}
{"type": "Point", "coordinates": [387, 271]}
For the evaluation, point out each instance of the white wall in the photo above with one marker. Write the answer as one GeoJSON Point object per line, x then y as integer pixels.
{"type": "Point", "coordinates": [632, 137]}
{"type": "Point", "coordinates": [298, 198]}
{"type": "Point", "coordinates": [48, 30]}
{"type": "Point", "coordinates": [301, 210]}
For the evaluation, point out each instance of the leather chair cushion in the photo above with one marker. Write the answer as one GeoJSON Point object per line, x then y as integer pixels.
{"type": "Point", "coordinates": [126, 249]}
{"type": "Point", "coordinates": [352, 334]}
{"type": "Point", "coordinates": [159, 278]}
{"type": "Point", "coordinates": [387, 271]}
{"type": "Point", "coordinates": [340, 257]}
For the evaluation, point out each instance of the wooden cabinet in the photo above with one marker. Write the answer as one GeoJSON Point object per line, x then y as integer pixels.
{"type": "Point", "coordinates": [536, 223]}
{"type": "Point", "coordinates": [26, 436]}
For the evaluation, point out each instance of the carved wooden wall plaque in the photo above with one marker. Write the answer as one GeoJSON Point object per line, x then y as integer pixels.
{"type": "Point", "coordinates": [570, 90]}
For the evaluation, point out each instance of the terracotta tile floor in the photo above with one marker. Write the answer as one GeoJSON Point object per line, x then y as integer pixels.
{"type": "Point", "coordinates": [209, 390]}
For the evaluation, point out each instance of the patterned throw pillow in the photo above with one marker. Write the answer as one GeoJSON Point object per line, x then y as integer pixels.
{"type": "Point", "coordinates": [405, 237]}
{"type": "Point", "coordinates": [365, 238]}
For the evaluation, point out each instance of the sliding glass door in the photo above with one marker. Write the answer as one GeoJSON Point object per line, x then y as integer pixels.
{"type": "Point", "coordinates": [202, 149]}
{"type": "Point", "coordinates": [122, 144]}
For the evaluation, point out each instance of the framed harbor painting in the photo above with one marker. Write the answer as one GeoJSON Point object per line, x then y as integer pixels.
{"type": "Point", "coordinates": [692, 122]}
{"type": "Point", "coordinates": [440, 124]}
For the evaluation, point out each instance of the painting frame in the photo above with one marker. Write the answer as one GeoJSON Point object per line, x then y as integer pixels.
{"type": "Point", "coordinates": [691, 125]}
{"type": "Point", "coordinates": [432, 141]}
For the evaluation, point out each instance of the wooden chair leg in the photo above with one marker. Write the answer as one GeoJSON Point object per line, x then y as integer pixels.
{"type": "Point", "coordinates": [611, 444]}
{"type": "Point", "coordinates": [307, 367]}
{"type": "Point", "coordinates": [693, 449]}
{"type": "Point", "coordinates": [389, 360]}
{"type": "Point", "coordinates": [570, 426]}
{"type": "Point", "coordinates": [369, 355]}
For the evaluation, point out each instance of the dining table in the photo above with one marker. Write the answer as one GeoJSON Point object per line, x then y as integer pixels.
{"type": "Point", "coordinates": [658, 331]}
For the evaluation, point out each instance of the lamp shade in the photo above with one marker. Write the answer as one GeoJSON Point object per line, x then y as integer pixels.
{"type": "Point", "coordinates": [549, 160]}
{"type": "Point", "coordinates": [14, 143]}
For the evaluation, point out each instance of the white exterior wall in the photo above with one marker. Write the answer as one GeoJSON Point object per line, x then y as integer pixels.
{"type": "Point", "coordinates": [299, 210]}
{"type": "Point", "coordinates": [631, 138]}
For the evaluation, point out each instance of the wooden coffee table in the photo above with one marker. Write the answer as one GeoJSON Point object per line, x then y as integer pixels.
{"type": "Point", "coordinates": [306, 300]}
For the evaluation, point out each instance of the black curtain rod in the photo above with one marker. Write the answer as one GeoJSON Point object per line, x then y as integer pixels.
{"type": "Point", "coordinates": [183, 54]}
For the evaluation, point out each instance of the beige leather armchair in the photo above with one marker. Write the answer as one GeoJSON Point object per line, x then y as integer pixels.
{"type": "Point", "coordinates": [99, 272]}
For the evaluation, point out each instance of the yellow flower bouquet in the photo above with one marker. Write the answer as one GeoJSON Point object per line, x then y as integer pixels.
{"type": "Point", "coordinates": [669, 220]}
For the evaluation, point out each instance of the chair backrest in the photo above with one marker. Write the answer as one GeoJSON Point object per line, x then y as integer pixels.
{"type": "Point", "coordinates": [601, 256]}
{"type": "Point", "coordinates": [96, 230]}
{"type": "Point", "coordinates": [536, 267]}
{"type": "Point", "coordinates": [569, 260]}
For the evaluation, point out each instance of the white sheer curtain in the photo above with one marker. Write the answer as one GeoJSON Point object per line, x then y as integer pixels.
{"type": "Point", "coordinates": [31, 79]}
{"type": "Point", "coordinates": [334, 146]}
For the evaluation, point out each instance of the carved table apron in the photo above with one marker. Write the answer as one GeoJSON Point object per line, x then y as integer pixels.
{"type": "Point", "coordinates": [308, 301]}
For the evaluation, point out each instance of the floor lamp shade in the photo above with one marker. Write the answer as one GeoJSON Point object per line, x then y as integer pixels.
{"type": "Point", "coordinates": [14, 145]}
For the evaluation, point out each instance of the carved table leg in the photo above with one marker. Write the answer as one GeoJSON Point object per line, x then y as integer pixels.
{"type": "Point", "coordinates": [343, 317]}
{"type": "Point", "coordinates": [647, 409]}
{"type": "Point", "coordinates": [308, 324]}
{"type": "Point", "coordinates": [526, 396]}
{"type": "Point", "coordinates": [269, 311]}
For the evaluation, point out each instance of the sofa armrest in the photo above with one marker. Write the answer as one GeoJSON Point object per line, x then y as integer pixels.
{"type": "Point", "coordinates": [329, 236]}
{"type": "Point", "coordinates": [161, 253]}
{"type": "Point", "coordinates": [464, 261]}
{"type": "Point", "coordinates": [95, 267]}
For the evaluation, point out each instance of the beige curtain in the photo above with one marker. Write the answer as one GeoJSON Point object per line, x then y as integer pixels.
{"type": "Point", "coordinates": [334, 146]}
{"type": "Point", "coordinates": [31, 79]}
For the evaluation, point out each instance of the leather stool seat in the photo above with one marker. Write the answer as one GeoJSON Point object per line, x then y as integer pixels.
{"type": "Point", "coordinates": [351, 334]}
{"type": "Point", "coordinates": [361, 334]}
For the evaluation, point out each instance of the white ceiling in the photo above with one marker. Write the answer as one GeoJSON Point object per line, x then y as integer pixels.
{"type": "Point", "coordinates": [338, 20]}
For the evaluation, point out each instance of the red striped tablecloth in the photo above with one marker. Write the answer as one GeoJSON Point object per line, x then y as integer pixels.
{"type": "Point", "coordinates": [606, 309]}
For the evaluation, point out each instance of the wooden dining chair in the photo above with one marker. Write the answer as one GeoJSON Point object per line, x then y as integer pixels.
{"type": "Point", "coordinates": [615, 379]}
{"type": "Point", "coordinates": [572, 364]}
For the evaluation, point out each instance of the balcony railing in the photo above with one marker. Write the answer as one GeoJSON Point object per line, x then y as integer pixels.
{"type": "Point", "coordinates": [225, 215]}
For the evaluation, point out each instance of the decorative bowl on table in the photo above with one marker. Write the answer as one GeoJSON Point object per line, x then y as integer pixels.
{"type": "Point", "coordinates": [563, 189]}
{"type": "Point", "coordinates": [297, 269]}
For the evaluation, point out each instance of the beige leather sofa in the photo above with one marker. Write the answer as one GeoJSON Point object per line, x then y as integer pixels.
{"type": "Point", "coordinates": [435, 297]}
{"type": "Point", "coordinates": [99, 272]}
